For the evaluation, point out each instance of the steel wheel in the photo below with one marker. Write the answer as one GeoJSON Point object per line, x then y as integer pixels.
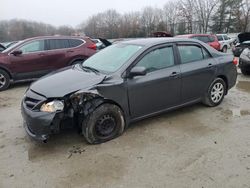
{"type": "Point", "coordinates": [217, 92]}
{"type": "Point", "coordinates": [105, 126]}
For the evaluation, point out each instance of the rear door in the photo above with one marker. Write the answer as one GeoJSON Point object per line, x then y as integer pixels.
{"type": "Point", "coordinates": [160, 87]}
{"type": "Point", "coordinates": [197, 69]}
{"type": "Point", "coordinates": [58, 53]}
{"type": "Point", "coordinates": [32, 62]}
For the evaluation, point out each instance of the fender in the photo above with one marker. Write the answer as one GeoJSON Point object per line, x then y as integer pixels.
{"type": "Point", "coordinates": [2, 66]}
{"type": "Point", "coordinates": [84, 102]}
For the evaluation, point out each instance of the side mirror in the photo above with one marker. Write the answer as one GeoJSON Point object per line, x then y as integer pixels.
{"type": "Point", "coordinates": [17, 52]}
{"type": "Point", "coordinates": [137, 71]}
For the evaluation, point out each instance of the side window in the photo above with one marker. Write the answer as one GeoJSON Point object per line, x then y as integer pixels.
{"type": "Point", "coordinates": [157, 59]}
{"type": "Point", "coordinates": [190, 53]}
{"type": "Point", "coordinates": [55, 44]}
{"type": "Point", "coordinates": [211, 38]}
{"type": "Point", "coordinates": [34, 46]}
{"type": "Point", "coordinates": [220, 38]}
{"type": "Point", "coordinates": [75, 42]}
{"type": "Point", "coordinates": [206, 54]}
{"type": "Point", "coordinates": [226, 37]}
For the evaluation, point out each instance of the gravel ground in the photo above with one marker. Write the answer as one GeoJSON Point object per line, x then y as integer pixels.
{"type": "Point", "coordinates": [195, 146]}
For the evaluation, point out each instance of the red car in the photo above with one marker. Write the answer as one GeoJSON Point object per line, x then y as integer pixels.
{"type": "Point", "coordinates": [211, 40]}
{"type": "Point", "coordinates": [35, 57]}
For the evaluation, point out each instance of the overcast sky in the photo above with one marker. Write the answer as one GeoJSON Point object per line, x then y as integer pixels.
{"type": "Point", "coordinates": [67, 12]}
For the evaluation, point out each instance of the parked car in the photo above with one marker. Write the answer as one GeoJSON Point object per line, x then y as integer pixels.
{"type": "Point", "coordinates": [101, 43]}
{"type": "Point", "coordinates": [225, 42]}
{"type": "Point", "coordinates": [2, 47]}
{"type": "Point", "coordinates": [35, 57]}
{"type": "Point", "coordinates": [211, 40]}
{"type": "Point", "coordinates": [244, 61]}
{"type": "Point", "coordinates": [127, 82]}
{"type": "Point", "coordinates": [243, 43]}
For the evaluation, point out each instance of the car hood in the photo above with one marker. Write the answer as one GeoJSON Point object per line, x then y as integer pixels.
{"type": "Point", "coordinates": [244, 37]}
{"type": "Point", "coordinates": [66, 81]}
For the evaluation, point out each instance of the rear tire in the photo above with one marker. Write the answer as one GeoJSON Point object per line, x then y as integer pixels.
{"type": "Point", "coordinates": [4, 80]}
{"type": "Point", "coordinates": [244, 71]}
{"type": "Point", "coordinates": [215, 93]}
{"type": "Point", "coordinates": [224, 49]}
{"type": "Point", "coordinates": [105, 123]}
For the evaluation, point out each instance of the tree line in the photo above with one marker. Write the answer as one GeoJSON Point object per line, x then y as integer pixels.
{"type": "Point", "coordinates": [15, 30]}
{"type": "Point", "coordinates": [178, 17]}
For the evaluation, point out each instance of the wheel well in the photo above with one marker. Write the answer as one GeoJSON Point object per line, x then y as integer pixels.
{"type": "Point", "coordinates": [112, 102]}
{"type": "Point", "coordinates": [225, 80]}
{"type": "Point", "coordinates": [1, 68]}
{"type": "Point", "coordinates": [108, 101]}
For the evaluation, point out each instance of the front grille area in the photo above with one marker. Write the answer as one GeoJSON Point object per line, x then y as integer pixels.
{"type": "Point", "coordinates": [31, 103]}
{"type": "Point", "coordinates": [32, 100]}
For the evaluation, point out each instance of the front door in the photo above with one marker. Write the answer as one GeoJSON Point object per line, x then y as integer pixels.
{"type": "Point", "coordinates": [32, 63]}
{"type": "Point", "coordinates": [160, 88]}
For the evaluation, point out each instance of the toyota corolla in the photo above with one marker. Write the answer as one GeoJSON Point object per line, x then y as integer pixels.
{"type": "Point", "coordinates": [124, 83]}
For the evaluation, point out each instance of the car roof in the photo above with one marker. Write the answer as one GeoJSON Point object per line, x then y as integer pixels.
{"type": "Point", "coordinates": [193, 35]}
{"type": "Point", "coordinates": [55, 37]}
{"type": "Point", "coordinates": [155, 41]}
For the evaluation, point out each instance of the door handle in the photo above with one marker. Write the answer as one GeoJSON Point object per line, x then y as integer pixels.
{"type": "Point", "coordinates": [70, 51]}
{"type": "Point", "coordinates": [42, 54]}
{"type": "Point", "coordinates": [210, 65]}
{"type": "Point", "coordinates": [174, 74]}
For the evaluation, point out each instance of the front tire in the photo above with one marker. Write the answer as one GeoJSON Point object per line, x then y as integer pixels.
{"type": "Point", "coordinates": [215, 93]}
{"type": "Point", "coordinates": [105, 123]}
{"type": "Point", "coordinates": [4, 80]}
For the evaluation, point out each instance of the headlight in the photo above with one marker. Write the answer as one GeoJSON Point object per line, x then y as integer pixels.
{"type": "Point", "coordinates": [52, 106]}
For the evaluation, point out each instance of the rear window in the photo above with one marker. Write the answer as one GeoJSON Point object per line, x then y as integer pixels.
{"type": "Point", "coordinates": [190, 53]}
{"type": "Point", "coordinates": [58, 44]}
{"type": "Point", "coordinates": [226, 37]}
{"type": "Point", "coordinates": [75, 42]}
{"type": "Point", "coordinates": [211, 38]}
{"type": "Point", "coordinates": [202, 38]}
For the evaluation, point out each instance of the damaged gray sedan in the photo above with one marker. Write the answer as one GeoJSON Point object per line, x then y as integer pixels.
{"type": "Point", "coordinates": [124, 83]}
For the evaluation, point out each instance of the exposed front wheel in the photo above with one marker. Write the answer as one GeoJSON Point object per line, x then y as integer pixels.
{"type": "Point", "coordinates": [103, 124]}
{"type": "Point", "coordinates": [4, 80]}
{"type": "Point", "coordinates": [215, 93]}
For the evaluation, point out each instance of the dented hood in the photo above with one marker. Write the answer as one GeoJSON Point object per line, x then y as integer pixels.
{"type": "Point", "coordinates": [66, 81]}
{"type": "Point", "coordinates": [244, 37]}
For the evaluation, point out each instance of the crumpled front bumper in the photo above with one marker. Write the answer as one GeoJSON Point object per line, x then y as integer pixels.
{"type": "Point", "coordinates": [38, 125]}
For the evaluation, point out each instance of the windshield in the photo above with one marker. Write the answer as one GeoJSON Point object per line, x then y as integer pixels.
{"type": "Point", "coordinates": [12, 46]}
{"type": "Point", "coordinates": [112, 58]}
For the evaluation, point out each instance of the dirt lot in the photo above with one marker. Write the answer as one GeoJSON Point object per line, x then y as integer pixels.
{"type": "Point", "coordinates": [191, 147]}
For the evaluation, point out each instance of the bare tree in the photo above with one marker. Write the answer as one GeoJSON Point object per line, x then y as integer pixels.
{"type": "Point", "coordinates": [187, 12]}
{"type": "Point", "coordinates": [204, 10]}
{"type": "Point", "coordinates": [149, 20]}
{"type": "Point", "coordinates": [245, 9]}
{"type": "Point", "coordinates": [171, 12]}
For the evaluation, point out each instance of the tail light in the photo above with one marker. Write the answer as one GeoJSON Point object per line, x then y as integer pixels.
{"type": "Point", "coordinates": [235, 61]}
{"type": "Point", "coordinates": [92, 46]}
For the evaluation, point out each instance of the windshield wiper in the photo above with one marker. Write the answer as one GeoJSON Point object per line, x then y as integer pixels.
{"type": "Point", "coordinates": [90, 68]}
